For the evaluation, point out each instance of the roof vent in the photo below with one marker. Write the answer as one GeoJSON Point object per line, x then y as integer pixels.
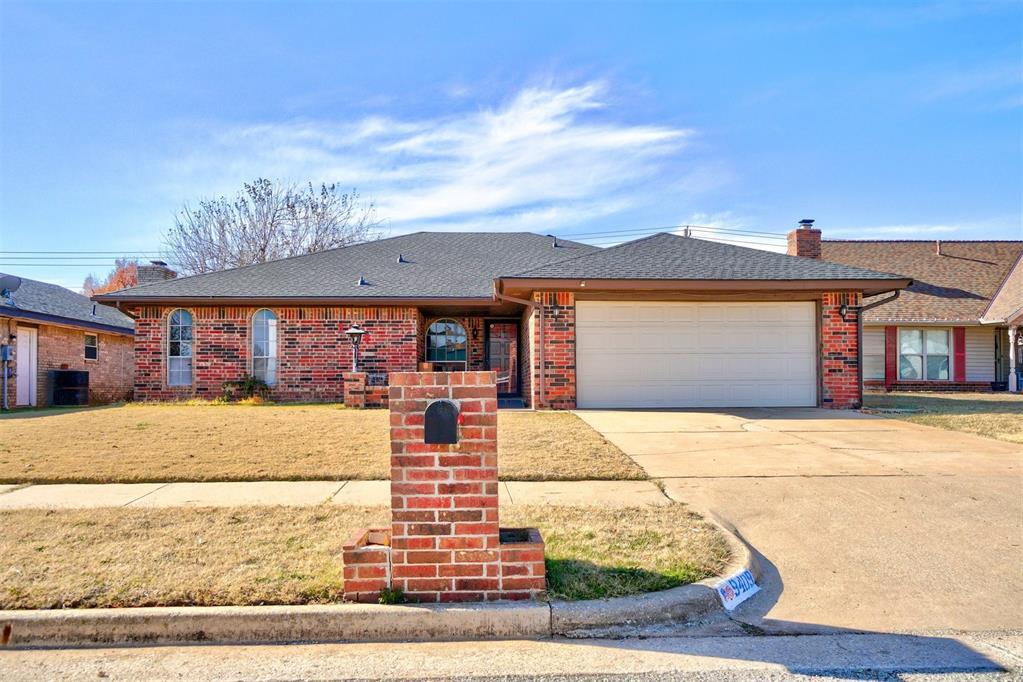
{"type": "Point", "coordinates": [363, 282]}
{"type": "Point", "coordinates": [806, 223]}
{"type": "Point", "coordinates": [554, 244]}
{"type": "Point", "coordinates": [401, 259]}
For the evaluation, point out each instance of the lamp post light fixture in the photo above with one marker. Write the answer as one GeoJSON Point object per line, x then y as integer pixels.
{"type": "Point", "coordinates": [355, 334]}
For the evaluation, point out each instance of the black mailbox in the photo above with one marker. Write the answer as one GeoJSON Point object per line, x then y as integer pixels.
{"type": "Point", "coordinates": [441, 422]}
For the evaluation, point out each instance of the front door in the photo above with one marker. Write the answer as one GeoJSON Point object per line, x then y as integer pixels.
{"type": "Point", "coordinates": [26, 365]}
{"type": "Point", "coordinates": [503, 355]}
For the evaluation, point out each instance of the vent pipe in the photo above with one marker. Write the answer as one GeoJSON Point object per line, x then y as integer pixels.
{"type": "Point", "coordinates": [401, 259]}
{"type": "Point", "coordinates": [362, 281]}
{"type": "Point", "coordinates": [937, 247]}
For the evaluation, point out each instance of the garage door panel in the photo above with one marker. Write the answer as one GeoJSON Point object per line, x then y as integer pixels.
{"type": "Point", "coordinates": [632, 354]}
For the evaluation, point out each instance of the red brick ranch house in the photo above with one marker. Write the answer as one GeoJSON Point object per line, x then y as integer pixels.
{"type": "Point", "coordinates": [663, 321]}
{"type": "Point", "coordinates": [46, 329]}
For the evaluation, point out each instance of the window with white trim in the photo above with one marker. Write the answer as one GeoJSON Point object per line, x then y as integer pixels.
{"type": "Point", "coordinates": [924, 354]}
{"type": "Point", "coordinates": [91, 346]}
{"type": "Point", "coordinates": [264, 346]}
{"type": "Point", "coordinates": [179, 348]}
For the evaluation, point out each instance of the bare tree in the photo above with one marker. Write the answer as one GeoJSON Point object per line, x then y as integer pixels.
{"type": "Point", "coordinates": [265, 221]}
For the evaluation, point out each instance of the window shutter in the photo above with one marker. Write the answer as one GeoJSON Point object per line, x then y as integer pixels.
{"type": "Point", "coordinates": [959, 351]}
{"type": "Point", "coordinates": [891, 355]}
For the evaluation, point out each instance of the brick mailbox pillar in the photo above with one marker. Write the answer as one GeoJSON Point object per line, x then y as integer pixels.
{"type": "Point", "coordinates": [445, 542]}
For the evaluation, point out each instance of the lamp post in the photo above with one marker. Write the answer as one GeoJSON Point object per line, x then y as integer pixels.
{"type": "Point", "coordinates": [355, 334]}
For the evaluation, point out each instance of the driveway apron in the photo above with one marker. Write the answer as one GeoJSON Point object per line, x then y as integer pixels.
{"type": "Point", "coordinates": [861, 523]}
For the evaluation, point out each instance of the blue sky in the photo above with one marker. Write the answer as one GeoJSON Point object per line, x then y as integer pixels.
{"type": "Point", "coordinates": [880, 120]}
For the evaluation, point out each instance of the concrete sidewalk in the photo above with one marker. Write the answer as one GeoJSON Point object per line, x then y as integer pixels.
{"type": "Point", "coordinates": [308, 493]}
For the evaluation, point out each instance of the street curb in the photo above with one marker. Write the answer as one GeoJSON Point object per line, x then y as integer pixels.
{"type": "Point", "coordinates": [277, 624]}
{"type": "Point", "coordinates": [376, 622]}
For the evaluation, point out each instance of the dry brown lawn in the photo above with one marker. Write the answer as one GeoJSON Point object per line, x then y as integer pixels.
{"type": "Point", "coordinates": [157, 443]}
{"type": "Point", "coordinates": [292, 555]}
{"type": "Point", "coordinates": [995, 415]}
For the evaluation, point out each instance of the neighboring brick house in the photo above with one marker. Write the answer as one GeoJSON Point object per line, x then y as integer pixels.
{"type": "Point", "coordinates": [47, 327]}
{"type": "Point", "coordinates": [950, 330]}
{"type": "Point", "coordinates": [664, 321]}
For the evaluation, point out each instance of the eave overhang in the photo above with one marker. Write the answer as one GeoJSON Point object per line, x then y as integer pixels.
{"type": "Point", "coordinates": [61, 321]}
{"type": "Point", "coordinates": [354, 301]}
{"type": "Point", "coordinates": [524, 285]}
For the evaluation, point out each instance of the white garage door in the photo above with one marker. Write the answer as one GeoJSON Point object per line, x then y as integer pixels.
{"type": "Point", "coordinates": [655, 354]}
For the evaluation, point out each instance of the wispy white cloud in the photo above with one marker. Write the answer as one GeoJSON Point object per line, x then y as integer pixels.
{"type": "Point", "coordinates": [1000, 82]}
{"type": "Point", "coordinates": [546, 154]}
{"type": "Point", "coordinates": [976, 229]}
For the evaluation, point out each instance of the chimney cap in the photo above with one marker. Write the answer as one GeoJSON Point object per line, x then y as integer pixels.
{"type": "Point", "coordinates": [161, 263]}
{"type": "Point", "coordinates": [806, 223]}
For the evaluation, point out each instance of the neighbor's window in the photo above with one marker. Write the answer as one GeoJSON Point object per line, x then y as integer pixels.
{"type": "Point", "coordinates": [264, 347]}
{"type": "Point", "coordinates": [924, 354]}
{"type": "Point", "coordinates": [446, 345]}
{"type": "Point", "coordinates": [91, 346]}
{"type": "Point", "coordinates": [179, 348]}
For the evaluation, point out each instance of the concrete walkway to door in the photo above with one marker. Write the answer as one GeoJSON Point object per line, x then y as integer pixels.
{"type": "Point", "coordinates": [861, 522]}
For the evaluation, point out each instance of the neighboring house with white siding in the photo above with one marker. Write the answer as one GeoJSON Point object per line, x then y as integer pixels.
{"type": "Point", "coordinates": [955, 328]}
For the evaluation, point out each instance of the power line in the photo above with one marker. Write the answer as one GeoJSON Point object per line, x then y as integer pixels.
{"type": "Point", "coordinates": [676, 228]}
{"type": "Point", "coordinates": [95, 253]}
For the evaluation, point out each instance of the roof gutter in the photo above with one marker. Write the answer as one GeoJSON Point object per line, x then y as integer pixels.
{"type": "Point", "coordinates": [499, 295]}
{"type": "Point", "coordinates": [859, 333]}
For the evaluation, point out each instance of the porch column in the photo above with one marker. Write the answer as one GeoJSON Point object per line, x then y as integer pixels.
{"type": "Point", "coordinates": [1014, 343]}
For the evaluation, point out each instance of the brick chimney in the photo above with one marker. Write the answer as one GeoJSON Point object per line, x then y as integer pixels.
{"type": "Point", "coordinates": [805, 240]}
{"type": "Point", "coordinates": [156, 271]}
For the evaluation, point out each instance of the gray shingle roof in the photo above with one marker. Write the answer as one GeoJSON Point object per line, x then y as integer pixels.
{"type": "Point", "coordinates": [439, 265]}
{"type": "Point", "coordinates": [39, 298]}
{"type": "Point", "coordinates": [669, 256]}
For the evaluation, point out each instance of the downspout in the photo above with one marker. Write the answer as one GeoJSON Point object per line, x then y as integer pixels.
{"type": "Point", "coordinates": [859, 334]}
{"type": "Point", "coordinates": [539, 308]}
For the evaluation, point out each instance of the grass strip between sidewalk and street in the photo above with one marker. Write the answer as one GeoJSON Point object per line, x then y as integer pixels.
{"type": "Point", "coordinates": [117, 557]}
{"type": "Point", "coordinates": [137, 443]}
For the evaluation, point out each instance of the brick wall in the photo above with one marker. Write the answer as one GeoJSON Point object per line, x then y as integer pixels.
{"type": "Point", "coordinates": [313, 352]}
{"type": "Point", "coordinates": [110, 374]}
{"type": "Point", "coordinates": [558, 371]}
{"type": "Point", "coordinates": [840, 367]}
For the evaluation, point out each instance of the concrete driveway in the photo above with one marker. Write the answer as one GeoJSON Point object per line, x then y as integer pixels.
{"type": "Point", "coordinates": [861, 522]}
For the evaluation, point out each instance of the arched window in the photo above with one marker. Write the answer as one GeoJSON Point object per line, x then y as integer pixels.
{"type": "Point", "coordinates": [179, 348]}
{"type": "Point", "coordinates": [264, 346]}
{"type": "Point", "coordinates": [446, 345]}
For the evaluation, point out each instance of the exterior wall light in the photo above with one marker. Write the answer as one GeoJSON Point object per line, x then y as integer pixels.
{"type": "Point", "coordinates": [355, 334]}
